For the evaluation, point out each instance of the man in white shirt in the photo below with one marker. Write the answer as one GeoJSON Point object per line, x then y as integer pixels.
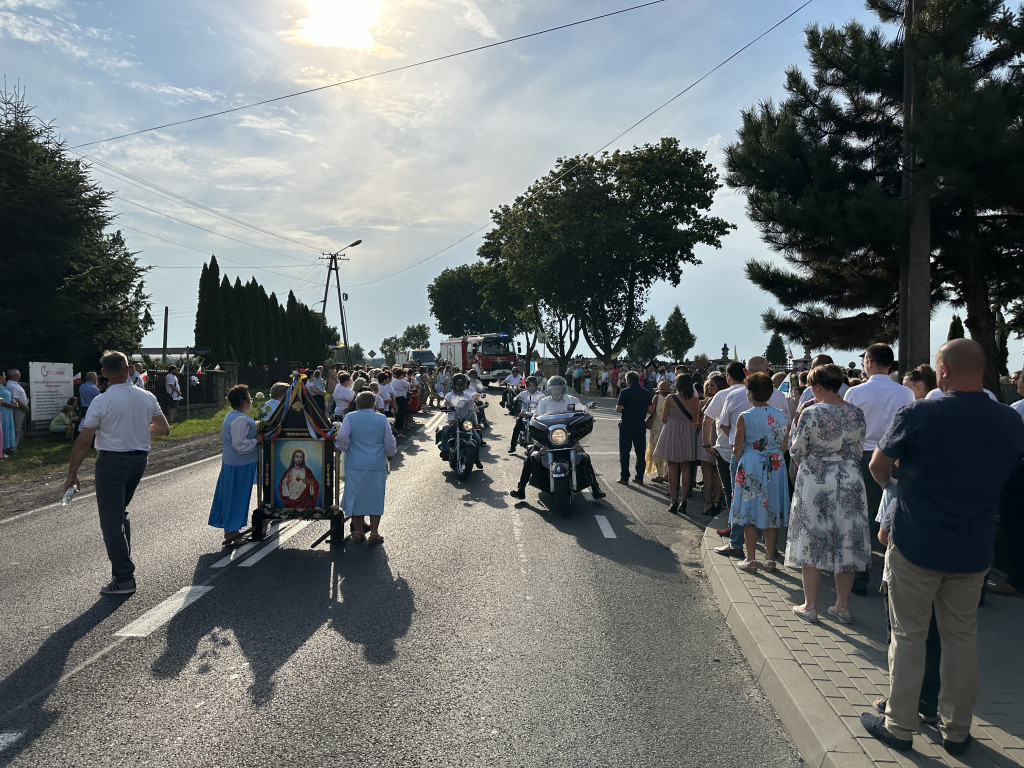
{"type": "Point", "coordinates": [122, 420]}
{"type": "Point", "coordinates": [879, 397]}
{"type": "Point", "coordinates": [530, 396]}
{"type": "Point", "coordinates": [20, 405]}
{"type": "Point", "coordinates": [135, 376]}
{"type": "Point", "coordinates": [510, 381]}
{"type": "Point", "coordinates": [400, 388]}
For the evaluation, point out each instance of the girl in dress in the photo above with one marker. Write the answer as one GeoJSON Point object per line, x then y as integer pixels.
{"type": "Point", "coordinates": [677, 444]}
{"type": "Point", "coordinates": [761, 489]}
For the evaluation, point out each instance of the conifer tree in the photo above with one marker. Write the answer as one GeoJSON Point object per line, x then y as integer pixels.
{"type": "Point", "coordinates": [676, 337]}
{"type": "Point", "coordinates": [776, 351]}
{"type": "Point", "coordinates": [956, 329]}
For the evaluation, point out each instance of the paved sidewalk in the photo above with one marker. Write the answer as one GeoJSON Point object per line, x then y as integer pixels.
{"type": "Point", "coordinates": [820, 677]}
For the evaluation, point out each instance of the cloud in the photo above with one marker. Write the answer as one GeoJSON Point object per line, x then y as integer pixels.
{"type": "Point", "coordinates": [61, 35]}
{"type": "Point", "coordinates": [277, 127]}
{"type": "Point", "coordinates": [172, 94]}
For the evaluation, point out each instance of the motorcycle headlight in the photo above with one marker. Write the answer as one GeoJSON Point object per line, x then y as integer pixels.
{"type": "Point", "coordinates": [559, 436]}
{"type": "Point", "coordinates": [467, 425]}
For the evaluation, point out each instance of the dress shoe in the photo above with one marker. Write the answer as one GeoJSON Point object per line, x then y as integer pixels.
{"type": "Point", "coordinates": [517, 494]}
{"type": "Point", "coordinates": [1006, 589]}
{"type": "Point", "coordinates": [875, 725]}
{"type": "Point", "coordinates": [598, 493]}
{"type": "Point", "coordinates": [728, 550]}
{"type": "Point", "coordinates": [623, 481]}
{"type": "Point", "coordinates": [956, 747]}
{"type": "Point", "coordinates": [638, 480]}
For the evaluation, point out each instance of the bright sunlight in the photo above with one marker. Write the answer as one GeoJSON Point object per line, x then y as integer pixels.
{"type": "Point", "coordinates": [337, 24]}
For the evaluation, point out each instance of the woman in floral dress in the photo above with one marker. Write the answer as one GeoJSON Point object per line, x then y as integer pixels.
{"type": "Point", "coordinates": [657, 468]}
{"type": "Point", "coordinates": [828, 528]}
{"type": "Point", "coordinates": [760, 489]}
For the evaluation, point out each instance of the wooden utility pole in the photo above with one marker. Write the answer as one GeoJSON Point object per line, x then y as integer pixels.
{"type": "Point", "coordinates": [166, 313]}
{"type": "Point", "coordinates": [915, 261]}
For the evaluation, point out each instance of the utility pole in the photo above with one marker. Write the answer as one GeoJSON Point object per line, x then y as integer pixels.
{"type": "Point", "coordinates": [332, 268]}
{"type": "Point", "coordinates": [915, 261]}
{"type": "Point", "coordinates": [166, 313]}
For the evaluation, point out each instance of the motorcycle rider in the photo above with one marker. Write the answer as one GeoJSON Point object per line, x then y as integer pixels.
{"type": "Point", "coordinates": [542, 380]}
{"type": "Point", "coordinates": [529, 396]}
{"type": "Point", "coordinates": [475, 389]}
{"type": "Point", "coordinates": [512, 380]}
{"type": "Point", "coordinates": [557, 401]}
{"type": "Point", "coordinates": [459, 396]}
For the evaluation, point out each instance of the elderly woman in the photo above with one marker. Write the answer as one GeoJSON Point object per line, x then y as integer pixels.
{"type": "Point", "coordinates": [366, 440]}
{"type": "Point", "coordinates": [238, 460]}
{"type": "Point", "coordinates": [7, 407]}
{"type": "Point", "coordinates": [828, 526]}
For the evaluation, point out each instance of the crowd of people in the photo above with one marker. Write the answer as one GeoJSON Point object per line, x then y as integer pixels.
{"type": "Point", "coordinates": [926, 463]}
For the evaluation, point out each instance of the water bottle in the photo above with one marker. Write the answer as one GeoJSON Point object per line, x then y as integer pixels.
{"type": "Point", "coordinates": [69, 494]}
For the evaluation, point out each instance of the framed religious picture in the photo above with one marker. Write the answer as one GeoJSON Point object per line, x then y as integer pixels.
{"type": "Point", "coordinates": [298, 474]}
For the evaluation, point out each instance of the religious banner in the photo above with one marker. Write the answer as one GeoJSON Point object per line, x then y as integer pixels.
{"type": "Point", "coordinates": [50, 386]}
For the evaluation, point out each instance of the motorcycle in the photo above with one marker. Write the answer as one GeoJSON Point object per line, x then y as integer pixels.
{"type": "Point", "coordinates": [463, 440]}
{"type": "Point", "coordinates": [510, 399]}
{"type": "Point", "coordinates": [526, 414]}
{"type": "Point", "coordinates": [560, 465]}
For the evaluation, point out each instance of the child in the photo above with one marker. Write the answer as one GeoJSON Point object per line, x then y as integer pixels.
{"type": "Point", "coordinates": [66, 421]}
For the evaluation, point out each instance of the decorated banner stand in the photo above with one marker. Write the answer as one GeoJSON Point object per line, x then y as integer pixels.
{"type": "Point", "coordinates": [298, 466]}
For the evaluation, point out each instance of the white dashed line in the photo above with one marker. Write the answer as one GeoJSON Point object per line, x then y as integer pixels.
{"type": "Point", "coordinates": [274, 544]}
{"type": "Point", "coordinates": [605, 526]}
{"type": "Point", "coordinates": [242, 551]}
{"type": "Point", "coordinates": [156, 617]}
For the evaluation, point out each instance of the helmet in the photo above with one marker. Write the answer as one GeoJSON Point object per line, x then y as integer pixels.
{"type": "Point", "coordinates": [538, 373]}
{"type": "Point", "coordinates": [556, 386]}
{"type": "Point", "coordinates": [531, 380]}
{"type": "Point", "coordinates": [515, 370]}
{"type": "Point", "coordinates": [460, 378]}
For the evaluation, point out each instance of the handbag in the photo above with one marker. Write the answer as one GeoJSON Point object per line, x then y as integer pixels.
{"type": "Point", "coordinates": [649, 421]}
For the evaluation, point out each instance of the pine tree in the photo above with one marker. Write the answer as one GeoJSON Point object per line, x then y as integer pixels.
{"type": "Point", "coordinates": [776, 351]}
{"type": "Point", "coordinates": [257, 322]}
{"type": "Point", "coordinates": [230, 312]}
{"type": "Point", "coordinates": [295, 335]}
{"type": "Point", "coordinates": [676, 338]}
{"type": "Point", "coordinates": [271, 309]}
{"type": "Point", "coordinates": [823, 178]}
{"type": "Point", "coordinates": [647, 343]}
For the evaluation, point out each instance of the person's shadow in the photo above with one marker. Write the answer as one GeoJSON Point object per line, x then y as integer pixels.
{"type": "Point", "coordinates": [25, 692]}
{"type": "Point", "coordinates": [370, 607]}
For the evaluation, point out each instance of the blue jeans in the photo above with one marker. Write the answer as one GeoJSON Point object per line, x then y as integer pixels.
{"type": "Point", "coordinates": [117, 477]}
{"type": "Point", "coordinates": [632, 435]}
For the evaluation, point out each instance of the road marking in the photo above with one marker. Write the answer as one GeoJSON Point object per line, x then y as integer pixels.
{"type": "Point", "coordinates": [274, 544]}
{"type": "Point", "coordinates": [240, 552]}
{"type": "Point", "coordinates": [156, 617]}
{"type": "Point", "coordinates": [6, 739]}
{"type": "Point", "coordinates": [605, 526]}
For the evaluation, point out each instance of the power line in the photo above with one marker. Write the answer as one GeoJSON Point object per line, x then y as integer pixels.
{"type": "Point", "coordinates": [646, 117]}
{"type": "Point", "coordinates": [370, 76]}
{"type": "Point", "coordinates": [139, 182]}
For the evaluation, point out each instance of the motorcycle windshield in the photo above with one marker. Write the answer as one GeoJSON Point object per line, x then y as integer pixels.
{"type": "Point", "coordinates": [464, 407]}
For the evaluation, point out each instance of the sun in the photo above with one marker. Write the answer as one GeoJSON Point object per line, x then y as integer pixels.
{"type": "Point", "coordinates": [337, 24]}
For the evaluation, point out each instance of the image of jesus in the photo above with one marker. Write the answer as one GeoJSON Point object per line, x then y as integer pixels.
{"type": "Point", "coordinates": [299, 488]}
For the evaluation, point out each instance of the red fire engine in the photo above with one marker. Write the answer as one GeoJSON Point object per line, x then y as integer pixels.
{"type": "Point", "coordinates": [491, 354]}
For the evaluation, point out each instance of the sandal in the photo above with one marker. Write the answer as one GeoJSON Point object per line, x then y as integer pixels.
{"type": "Point", "coordinates": [769, 565]}
{"type": "Point", "coordinates": [374, 538]}
{"type": "Point", "coordinates": [843, 617]}
{"type": "Point", "coordinates": [237, 541]}
{"type": "Point", "coordinates": [810, 616]}
{"type": "Point", "coordinates": [750, 566]}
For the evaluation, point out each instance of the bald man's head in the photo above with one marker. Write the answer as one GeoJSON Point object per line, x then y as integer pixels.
{"type": "Point", "coordinates": [960, 365]}
{"type": "Point", "coordinates": [821, 360]}
{"type": "Point", "coordinates": [757, 364]}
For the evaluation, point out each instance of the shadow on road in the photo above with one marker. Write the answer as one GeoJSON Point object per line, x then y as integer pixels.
{"type": "Point", "coordinates": [274, 609]}
{"type": "Point", "coordinates": [24, 693]}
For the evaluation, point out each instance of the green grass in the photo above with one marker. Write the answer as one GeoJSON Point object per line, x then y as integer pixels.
{"type": "Point", "coordinates": [39, 456]}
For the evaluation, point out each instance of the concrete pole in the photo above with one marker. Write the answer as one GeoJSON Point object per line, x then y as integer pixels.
{"type": "Point", "coordinates": [915, 261]}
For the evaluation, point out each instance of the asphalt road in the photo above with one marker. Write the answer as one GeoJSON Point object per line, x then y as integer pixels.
{"type": "Point", "coordinates": [484, 632]}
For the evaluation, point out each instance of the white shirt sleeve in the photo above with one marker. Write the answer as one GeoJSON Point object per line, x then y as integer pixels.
{"type": "Point", "coordinates": [239, 441]}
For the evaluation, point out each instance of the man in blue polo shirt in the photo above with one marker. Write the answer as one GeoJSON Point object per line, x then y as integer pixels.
{"type": "Point", "coordinates": [634, 404]}
{"type": "Point", "coordinates": [941, 538]}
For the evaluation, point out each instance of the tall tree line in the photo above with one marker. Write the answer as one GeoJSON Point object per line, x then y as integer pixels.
{"type": "Point", "coordinates": [241, 323]}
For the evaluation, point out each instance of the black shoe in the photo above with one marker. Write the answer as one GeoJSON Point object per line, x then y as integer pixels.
{"type": "Point", "coordinates": [119, 588]}
{"type": "Point", "coordinates": [512, 449]}
{"type": "Point", "coordinates": [623, 481]}
{"type": "Point", "coordinates": [674, 506]}
{"type": "Point", "coordinates": [956, 747]}
{"type": "Point", "coordinates": [517, 494]}
{"type": "Point", "coordinates": [597, 492]}
{"type": "Point", "coordinates": [875, 725]}
{"type": "Point", "coordinates": [445, 455]}
{"type": "Point", "coordinates": [479, 465]}
{"type": "Point", "coordinates": [638, 480]}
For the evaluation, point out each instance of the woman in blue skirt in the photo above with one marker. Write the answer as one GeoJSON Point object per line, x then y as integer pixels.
{"type": "Point", "coordinates": [230, 509]}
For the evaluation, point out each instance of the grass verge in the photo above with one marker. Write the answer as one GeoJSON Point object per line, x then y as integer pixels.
{"type": "Point", "coordinates": [39, 456]}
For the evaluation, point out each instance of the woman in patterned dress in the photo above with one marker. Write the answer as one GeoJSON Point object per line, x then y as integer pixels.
{"type": "Point", "coordinates": [760, 498]}
{"type": "Point", "coordinates": [658, 468]}
{"type": "Point", "coordinates": [828, 527]}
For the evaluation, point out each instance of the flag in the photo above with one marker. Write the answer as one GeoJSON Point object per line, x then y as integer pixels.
{"type": "Point", "coordinates": [78, 378]}
{"type": "Point", "coordinates": [199, 371]}
{"type": "Point", "coordinates": [789, 353]}
{"type": "Point", "coordinates": [216, 367]}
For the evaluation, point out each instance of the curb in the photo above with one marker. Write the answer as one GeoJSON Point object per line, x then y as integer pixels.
{"type": "Point", "coordinates": [820, 735]}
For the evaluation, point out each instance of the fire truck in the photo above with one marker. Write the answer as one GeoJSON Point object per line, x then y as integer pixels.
{"type": "Point", "coordinates": [492, 355]}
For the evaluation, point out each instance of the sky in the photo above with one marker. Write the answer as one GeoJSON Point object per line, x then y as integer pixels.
{"type": "Point", "coordinates": [410, 162]}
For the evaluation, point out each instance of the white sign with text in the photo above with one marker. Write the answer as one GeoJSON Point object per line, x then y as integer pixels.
{"type": "Point", "coordinates": [51, 384]}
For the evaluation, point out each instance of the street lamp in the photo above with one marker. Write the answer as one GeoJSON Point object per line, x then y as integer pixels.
{"type": "Point", "coordinates": [332, 267]}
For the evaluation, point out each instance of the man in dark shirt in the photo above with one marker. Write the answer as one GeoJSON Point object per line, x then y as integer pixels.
{"type": "Point", "coordinates": [941, 539]}
{"type": "Point", "coordinates": [634, 404]}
